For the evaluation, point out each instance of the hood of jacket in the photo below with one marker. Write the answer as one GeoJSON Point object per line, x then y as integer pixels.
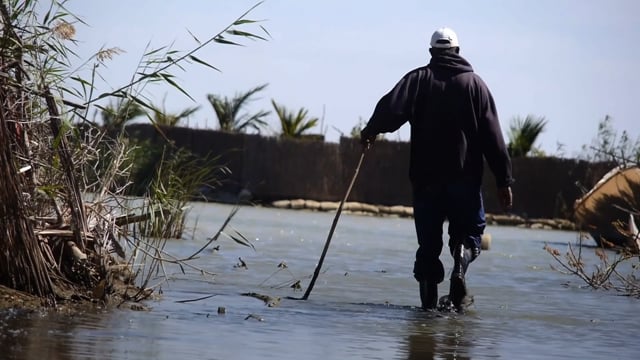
{"type": "Point", "coordinates": [451, 62]}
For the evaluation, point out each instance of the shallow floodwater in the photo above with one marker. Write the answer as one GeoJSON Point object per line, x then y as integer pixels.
{"type": "Point", "coordinates": [362, 306]}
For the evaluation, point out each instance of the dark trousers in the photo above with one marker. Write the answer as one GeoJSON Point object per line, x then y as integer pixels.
{"type": "Point", "coordinates": [459, 203]}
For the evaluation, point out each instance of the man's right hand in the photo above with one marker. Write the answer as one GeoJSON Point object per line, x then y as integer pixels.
{"type": "Point", "coordinates": [367, 138]}
{"type": "Point", "coordinates": [505, 197]}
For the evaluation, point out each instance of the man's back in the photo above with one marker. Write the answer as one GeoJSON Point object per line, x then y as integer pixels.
{"type": "Point", "coordinates": [454, 122]}
{"type": "Point", "coordinates": [444, 125]}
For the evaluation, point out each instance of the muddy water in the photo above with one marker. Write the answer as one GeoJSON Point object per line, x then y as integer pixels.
{"type": "Point", "coordinates": [362, 307]}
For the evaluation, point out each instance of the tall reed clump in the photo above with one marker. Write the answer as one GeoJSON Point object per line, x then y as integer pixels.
{"type": "Point", "coordinates": [64, 220]}
{"type": "Point", "coordinates": [179, 178]}
{"type": "Point", "coordinates": [38, 175]}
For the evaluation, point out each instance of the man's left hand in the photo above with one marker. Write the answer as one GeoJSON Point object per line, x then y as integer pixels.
{"type": "Point", "coordinates": [506, 198]}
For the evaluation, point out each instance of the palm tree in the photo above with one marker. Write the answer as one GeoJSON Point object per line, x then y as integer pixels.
{"type": "Point", "coordinates": [228, 111]}
{"type": "Point", "coordinates": [114, 117]}
{"type": "Point", "coordinates": [523, 133]}
{"type": "Point", "coordinates": [161, 117]}
{"type": "Point", "coordinates": [293, 124]}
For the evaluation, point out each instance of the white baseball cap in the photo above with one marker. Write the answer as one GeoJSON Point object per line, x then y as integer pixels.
{"type": "Point", "coordinates": [444, 38]}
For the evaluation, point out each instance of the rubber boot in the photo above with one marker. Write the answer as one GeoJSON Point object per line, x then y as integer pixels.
{"type": "Point", "coordinates": [458, 290]}
{"type": "Point", "coordinates": [429, 295]}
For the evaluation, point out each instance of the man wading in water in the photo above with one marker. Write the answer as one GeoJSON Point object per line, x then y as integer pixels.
{"type": "Point", "coordinates": [454, 125]}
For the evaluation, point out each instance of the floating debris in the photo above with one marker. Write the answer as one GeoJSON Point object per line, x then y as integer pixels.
{"type": "Point", "coordinates": [254, 316]}
{"type": "Point", "coordinates": [296, 286]}
{"type": "Point", "coordinates": [241, 264]}
{"type": "Point", "coordinates": [270, 301]}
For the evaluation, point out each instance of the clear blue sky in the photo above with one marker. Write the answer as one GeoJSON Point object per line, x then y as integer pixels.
{"type": "Point", "coordinates": [572, 61]}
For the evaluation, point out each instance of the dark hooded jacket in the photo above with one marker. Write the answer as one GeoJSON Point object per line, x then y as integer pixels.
{"type": "Point", "coordinates": [454, 123]}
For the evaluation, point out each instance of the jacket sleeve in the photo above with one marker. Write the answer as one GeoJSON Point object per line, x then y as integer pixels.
{"type": "Point", "coordinates": [493, 145]}
{"type": "Point", "coordinates": [396, 107]}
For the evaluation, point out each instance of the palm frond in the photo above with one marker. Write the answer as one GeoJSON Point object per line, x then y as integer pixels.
{"type": "Point", "coordinates": [115, 116]}
{"type": "Point", "coordinates": [523, 134]}
{"type": "Point", "coordinates": [293, 125]}
{"type": "Point", "coordinates": [162, 117]}
{"type": "Point", "coordinates": [229, 111]}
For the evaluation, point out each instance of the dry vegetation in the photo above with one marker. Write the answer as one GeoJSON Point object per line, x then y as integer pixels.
{"type": "Point", "coordinates": [614, 264]}
{"type": "Point", "coordinates": [68, 234]}
{"type": "Point", "coordinates": [618, 274]}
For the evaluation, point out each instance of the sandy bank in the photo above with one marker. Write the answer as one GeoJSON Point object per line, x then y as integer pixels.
{"type": "Point", "coordinates": [407, 212]}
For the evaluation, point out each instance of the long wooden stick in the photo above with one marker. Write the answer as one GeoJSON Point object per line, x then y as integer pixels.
{"type": "Point", "coordinates": [333, 228]}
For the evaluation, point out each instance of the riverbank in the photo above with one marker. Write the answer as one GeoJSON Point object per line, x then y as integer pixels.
{"type": "Point", "coordinates": [70, 302]}
{"type": "Point", "coordinates": [359, 208]}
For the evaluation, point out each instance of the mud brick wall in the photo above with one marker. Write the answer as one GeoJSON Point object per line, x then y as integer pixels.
{"type": "Point", "coordinates": [274, 168]}
{"type": "Point", "coordinates": [384, 174]}
{"type": "Point", "coordinates": [545, 187]}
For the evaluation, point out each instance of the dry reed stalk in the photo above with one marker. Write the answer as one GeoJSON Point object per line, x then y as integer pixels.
{"type": "Point", "coordinates": [23, 266]}
{"type": "Point", "coordinates": [76, 207]}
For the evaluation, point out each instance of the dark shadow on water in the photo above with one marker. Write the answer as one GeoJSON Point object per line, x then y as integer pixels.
{"type": "Point", "coordinates": [27, 335]}
{"type": "Point", "coordinates": [60, 335]}
{"type": "Point", "coordinates": [387, 306]}
{"type": "Point", "coordinates": [434, 335]}
{"type": "Point", "coordinates": [429, 334]}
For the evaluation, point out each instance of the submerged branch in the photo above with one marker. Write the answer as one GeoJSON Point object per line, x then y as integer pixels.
{"type": "Point", "coordinates": [605, 276]}
{"type": "Point", "coordinates": [198, 299]}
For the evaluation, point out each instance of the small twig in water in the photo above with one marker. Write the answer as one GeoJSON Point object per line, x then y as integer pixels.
{"type": "Point", "coordinates": [198, 299]}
